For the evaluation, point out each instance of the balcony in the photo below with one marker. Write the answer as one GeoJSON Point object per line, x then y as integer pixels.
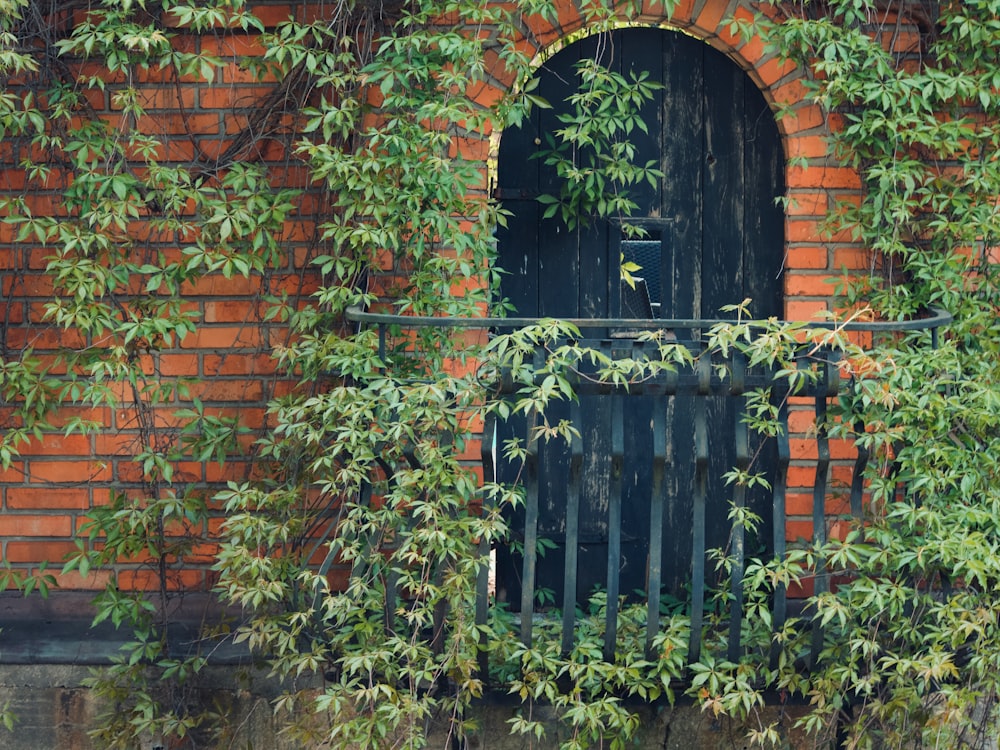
{"type": "Point", "coordinates": [633, 496]}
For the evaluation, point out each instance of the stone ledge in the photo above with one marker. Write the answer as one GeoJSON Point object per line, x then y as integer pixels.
{"type": "Point", "coordinates": [58, 630]}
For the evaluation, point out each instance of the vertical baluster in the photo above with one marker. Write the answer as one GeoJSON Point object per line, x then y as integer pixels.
{"type": "Point", "coordinates": [822, 583]}
{"type": "Point", "coordinates": [572, 528]}
{"type": "Point", "coordinates": [530, 533]}
{"type": "Point", "coordinates": [656, 502]}
{"type": "Point", "coordinates": [742, 446]}
{"type": "Point", "coordinates": [698, 509]}
{"type": "Point", "coordinates": [614, 523]}
{"type": "Point", "coordinates": [778, 496]}
{"type": "Point", "coordinates": [858, 475]}
{"type": "Point", "coordinates": [441, 608]}
{"type": "Point", "coordinates": [487, 448]}
{"type": "Point", "coordinates": [530, 562]}
{"type": "Point", "coordinates": [362, 561]}
{"type": "Point", "coordinates": [333, 552]}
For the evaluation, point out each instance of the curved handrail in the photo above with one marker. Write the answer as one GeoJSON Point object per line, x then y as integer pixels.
{"type": "Point", "coordinates": [937, 318]}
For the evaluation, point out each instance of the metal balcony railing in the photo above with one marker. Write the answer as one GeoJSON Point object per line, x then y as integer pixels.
{"type": "Point", "coordinates": [698, 389]}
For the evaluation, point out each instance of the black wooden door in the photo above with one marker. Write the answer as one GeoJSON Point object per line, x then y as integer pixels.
{"type": "Point", "coordinates": [715, 237]}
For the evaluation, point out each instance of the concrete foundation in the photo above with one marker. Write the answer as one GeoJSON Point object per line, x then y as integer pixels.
{"type": "Point", "coordinates": [54, 711]}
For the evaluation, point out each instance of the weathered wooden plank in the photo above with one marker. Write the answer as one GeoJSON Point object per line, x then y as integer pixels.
{"type": "Point", "coordinates": [723, 259]}
{"type": "Point", "coordinates": [530, 551]}
{"type": "Point", "coordinates": [577, 275]}
{"type": "Point", "coordinates": [488, 447]}
{"type": "Point", "coordinates": [763, 212]}
{"type": "Point", "coordinates": [858, 475]}
{"type": "Point", "coordinates": [572, 534]}
{"type": "Point", "coordinates": [778, 514]}
{"type": "Point", "coordinates": [822, 479]}
{"type": "Point", "coordinates": [737, 540]}
{"type": "Point", "coordinates": [639, 51]}
{"type": "Point", "coordinates": [614, 524]}
{"type": "Point", "coordinates": [698, 513]}
{"type": "Point", "coordinates": [656, 504]}
{"type": "Point", "coordinates": [681, 160]}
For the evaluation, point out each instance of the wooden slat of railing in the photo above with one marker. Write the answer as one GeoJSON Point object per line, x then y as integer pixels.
{"type": "Point", "coordinates": [572, 529]}
{"type": "Point", "coordinates": [778, 517]}
{"type": "Point", "coordinates": [698, 509]}
{"type": "Point", "coordinates": [656, 503]}
{"type": "Point", "coordinates": [742, 445]}
{"type": "Point", "coordinates": [858, 476]}
{"type": "Point", "coordinates": [821, 583]}
{"type": "Point", "coordinates": [487, 449]}
{"type": "Point", "coordinates": [614, 523]}
{"type": "Point", "coordinates": [530, 534]}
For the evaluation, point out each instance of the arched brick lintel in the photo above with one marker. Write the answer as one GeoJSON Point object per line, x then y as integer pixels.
{"type": "Point", "coordinates": [709, 20]}
{"type": "Point", "coordinates": [813, 180]}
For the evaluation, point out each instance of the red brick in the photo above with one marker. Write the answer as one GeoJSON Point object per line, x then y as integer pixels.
{"type": "Point", "coordinates": [795, 530]}
{"type": "Point", "coordinates": [163, 97]}
{"type": "Point", "coordinates": [730, 39]}
{"type": "Point", "coordinates": [801, 590]}
{"type": "Point", "coordinates": [682, 12]}
{"type": "Point", "coordinates": [174, 124]}
{"type": "Point", "coordinates": [38, 551]}
{"type": "Point", "coordinates": [809, 285]}
{"type": "Point", "coordinates": [802, 117]}
{"type": "Point", "coordinates": [753, 52]}
{"type": "Point", "coordinates": [58, 445]}
{"type": "Point", "coordinates": [37, 498]}
{"type": "Point", "coordinates": [229, 97]}
{"type": "Point", "coordinates": [821, 176]}
{"type": "Point", "coordinates": [710, 17]}
{"type": "Point", "coordinates": [807, 147]}
{"type": "Point", "coordinates": [184, 471]}
{"type": "Point", "coordinates": [807, 257]}
{"type": "Point", "coordinates": [798, 504]}
{"type": "Point", "coordinates": [230, 311]}
{"type": "Point", "coordinates": [218, 285]}
{"type": "Point", "coordinates": [804, 309]}
{"type": "Point", "coordinates": [16, 524]}
{"type": "Point", "coordinates": [793, 92]}
{"type": "Point", "coordinates": [223, 337]}
{"type": "Point", "coordinates": [273, 15]}
{"type": "Point", "coordinates": [852, 258]}
{"type": "Point", "coordinates": [109, 443]}
{"type": "Point", "coordinates": [73, 581]}
{"type": "Point", "coordinates": [812, 230]}
{"type": "Point", "coordinates": [240, 364]}
{"type": "Point", "coordinates": [232, 45]}
{"type": "Point", "coordinates": [228, 390]}
{"type": "Point", "coordinates": [68, 471]}
{"type": "Point", "coordinates": [98, 415]}
{"type": "Point", "coordinates": [171, 364]}
{"type": "Point", "coordinates": [232, 471]}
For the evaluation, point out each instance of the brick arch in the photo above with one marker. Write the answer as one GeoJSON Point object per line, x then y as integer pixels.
{"type": "Point", "coordinates": [814, 181]}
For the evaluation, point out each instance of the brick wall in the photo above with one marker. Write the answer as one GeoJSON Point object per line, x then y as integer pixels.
{"type": "Point", "coordinates": [46, 493]}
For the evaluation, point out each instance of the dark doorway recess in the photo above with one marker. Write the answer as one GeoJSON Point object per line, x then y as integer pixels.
{"type": "Point", "coordinates": [715, 236]}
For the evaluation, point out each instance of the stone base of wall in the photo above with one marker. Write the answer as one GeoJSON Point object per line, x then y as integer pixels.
{"type": "Point", "coordinates": [54, 711]}
{"type": "Point", "coordinates": [664, 727]}
{"type": "Point", "coordinates": [48, 649]}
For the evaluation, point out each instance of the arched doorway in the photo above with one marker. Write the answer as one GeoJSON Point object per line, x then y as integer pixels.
{"type": "Point", "coordinates": [715, 236]}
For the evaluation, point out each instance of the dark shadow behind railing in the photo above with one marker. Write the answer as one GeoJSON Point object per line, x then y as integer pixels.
{"type": "Point", "coordinates": [697, 385]}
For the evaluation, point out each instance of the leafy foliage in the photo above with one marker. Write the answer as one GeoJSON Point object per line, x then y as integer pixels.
{"type": "Point", "coordinates": [912, 625]}
{"type": "Point", "coordinates": [362, 528]}
{"type": "Point", "coordinates": [592, 155]}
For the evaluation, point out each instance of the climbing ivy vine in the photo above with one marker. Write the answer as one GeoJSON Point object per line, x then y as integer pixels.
{"type": "Point", "coordinates": [362, 491]}
{"type": "Point", "coordinates": [915, 619]}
